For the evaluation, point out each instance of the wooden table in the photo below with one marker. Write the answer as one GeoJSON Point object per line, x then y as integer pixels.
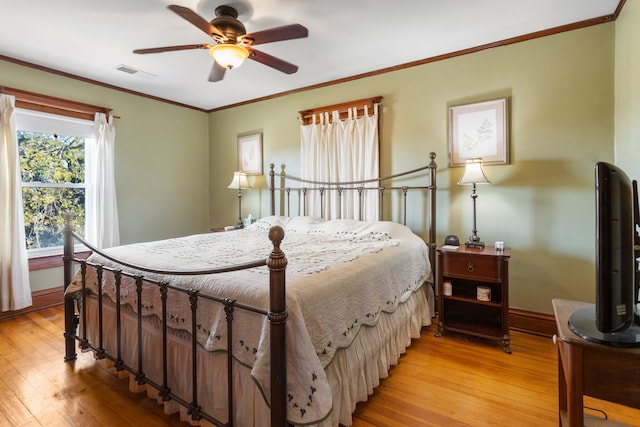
{"type": "Point", "coordinates": [587, 368]}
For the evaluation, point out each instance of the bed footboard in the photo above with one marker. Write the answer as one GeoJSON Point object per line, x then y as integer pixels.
{"type": "Point", "coordinates": [276, 316]}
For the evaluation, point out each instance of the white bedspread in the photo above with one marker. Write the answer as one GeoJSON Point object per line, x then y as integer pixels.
{"type": "Point", "coordinates": [341, 275]}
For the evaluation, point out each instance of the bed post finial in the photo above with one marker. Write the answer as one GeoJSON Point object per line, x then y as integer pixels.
{"type": "Point", "coordinates": [276, 234]}
{"type": "Point", "coordinates": [277, 316]}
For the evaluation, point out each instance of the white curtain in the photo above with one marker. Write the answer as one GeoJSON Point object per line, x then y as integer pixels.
{"type": "Point", "coordinates": [342, 150]}
{"type": "Point", "coordinates": [15, 291]}
{"type": "Point", "coordinates": [102, 226]}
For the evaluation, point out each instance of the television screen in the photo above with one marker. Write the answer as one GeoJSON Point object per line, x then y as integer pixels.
{"type": "Point", "coordinates": [615, 257]}
{"type": "Point", "coordinates": [611, 320]}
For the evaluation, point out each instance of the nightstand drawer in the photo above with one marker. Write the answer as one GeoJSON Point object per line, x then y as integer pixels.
{"type": "Point", "coordinates": [472, 266]}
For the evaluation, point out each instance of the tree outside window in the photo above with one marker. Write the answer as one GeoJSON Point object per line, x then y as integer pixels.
{"type": "Point", "coordinates": [53, 183]}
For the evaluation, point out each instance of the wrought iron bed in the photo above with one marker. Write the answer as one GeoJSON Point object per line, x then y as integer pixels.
{"type": "Point", "coordinates": [145, 278]}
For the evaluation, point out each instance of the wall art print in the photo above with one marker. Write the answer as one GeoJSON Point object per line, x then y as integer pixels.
{"type": "Point", "coordinates": [479, 130]}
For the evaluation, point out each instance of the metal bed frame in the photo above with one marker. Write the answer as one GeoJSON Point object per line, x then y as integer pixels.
{"type": "Point", "coordinates": [276, 314]}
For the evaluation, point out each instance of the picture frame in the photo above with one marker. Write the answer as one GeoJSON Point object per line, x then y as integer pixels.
{"type": "Point", "coordinates": [250, 154]}
{"type": "Point", "coordinates": [479, 129]}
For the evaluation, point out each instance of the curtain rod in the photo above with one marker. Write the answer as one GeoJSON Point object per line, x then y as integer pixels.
{"type": "Point", "coordinates": [54, 105]}
{"type": "Point", "coordinates": [306, 115]}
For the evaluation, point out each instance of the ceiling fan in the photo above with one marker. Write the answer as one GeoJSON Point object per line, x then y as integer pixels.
{"type": "Point", "coordinates": [232, 43]}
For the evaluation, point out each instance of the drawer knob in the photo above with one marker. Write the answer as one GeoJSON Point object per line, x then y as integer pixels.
{"type": "Point", "coordinates": [470, 268]}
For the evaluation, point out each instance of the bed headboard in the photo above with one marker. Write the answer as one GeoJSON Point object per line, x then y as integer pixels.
{"type": "Point", "coordinates": [288, 185]}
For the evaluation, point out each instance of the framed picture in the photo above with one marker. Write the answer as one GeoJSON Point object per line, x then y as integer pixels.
{"type": "Point", "coordinates": [250, 154]}
{"type": "Point", "coordinates": [479, 130]}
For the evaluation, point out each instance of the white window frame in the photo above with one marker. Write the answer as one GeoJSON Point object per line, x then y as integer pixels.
{"type": "Point", "coordinates": [40, 122]}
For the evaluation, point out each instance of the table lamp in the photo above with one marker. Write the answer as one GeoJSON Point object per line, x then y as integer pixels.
{"type": "Point", "coordinates": [474, 174]}
{"type": "Point", "coordinates": [240, 182]}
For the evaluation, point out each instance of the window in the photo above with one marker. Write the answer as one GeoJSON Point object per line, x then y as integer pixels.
{"type": "Point", "coordinates": [52, 150]}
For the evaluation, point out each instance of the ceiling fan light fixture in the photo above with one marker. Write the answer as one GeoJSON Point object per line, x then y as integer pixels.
{"type": "Point", "coordinates": [229, 55]}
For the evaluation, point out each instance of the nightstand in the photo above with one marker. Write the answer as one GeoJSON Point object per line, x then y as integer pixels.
{"type": "Point", "coordinates": [476, 301]}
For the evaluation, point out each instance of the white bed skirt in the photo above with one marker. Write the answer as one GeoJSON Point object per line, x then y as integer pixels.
{"type": "Point", "coordinates": [353, 374]}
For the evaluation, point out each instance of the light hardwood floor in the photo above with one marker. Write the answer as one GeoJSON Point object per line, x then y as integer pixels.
{"type": "Point", "coordinates": [448, 381]}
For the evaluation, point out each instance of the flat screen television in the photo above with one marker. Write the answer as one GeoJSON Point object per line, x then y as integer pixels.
{"type": "Point", "coordinates": [614, 318]}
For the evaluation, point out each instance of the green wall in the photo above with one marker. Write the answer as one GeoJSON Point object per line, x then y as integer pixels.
{"type": "Point", "coordinates": [561, 91]}
{"type": "Point", "coordinates": [627, 89]}
{"type": "Point", "coordinates": [174, 164]}
{"type": "Point", "coordinates": [162, 171]}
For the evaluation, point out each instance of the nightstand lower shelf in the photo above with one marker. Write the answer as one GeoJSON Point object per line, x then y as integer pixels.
{"type": "Point", "coordinates": [479, 326]}
{"type": "Point", "coordinates": [474, 325]}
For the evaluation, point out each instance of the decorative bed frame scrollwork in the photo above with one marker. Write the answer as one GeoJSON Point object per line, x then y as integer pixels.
{"type": "Point", "coordinates": [75, 329]}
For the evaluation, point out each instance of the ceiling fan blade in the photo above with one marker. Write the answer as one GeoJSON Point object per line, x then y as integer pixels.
{"type": "Point", "coordinates": [272, 61]}
{"type": "Point", "coordinates": [196, 20]}
{"type": "Point", "coordinates": [172, 48]}
{"type": "Point", "coordinates": [286, 32]}
{"type": "Point", "coordinates": [217, 72]}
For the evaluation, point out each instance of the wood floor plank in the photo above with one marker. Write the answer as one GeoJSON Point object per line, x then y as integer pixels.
{"type": "Point", "coordinates": [449, 381]}
{"type": "Point", "coordinates": [41, 385]}
{"type": "Point", "coordinates": [83, 392]}
{"type": "Point", "coordinates": [41, 410]}
{"type": "Point", "coordinates": [11, 408]}
{"type": "Point", "coordinates": [468, 381]}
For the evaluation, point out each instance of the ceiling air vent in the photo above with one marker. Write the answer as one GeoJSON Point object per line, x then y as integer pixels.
{"type": "Point", "coordinates": [126, 69]}
{"type": "Point", "coordinates": [132, 71]}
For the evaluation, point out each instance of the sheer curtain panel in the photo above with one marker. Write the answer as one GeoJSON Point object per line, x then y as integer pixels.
{"type": "Point", "coordinates": [15, 291]}
{"type": "Point", "coordinates": [102, 208]}
{"type": "Point", "coordinates": [342, 150]}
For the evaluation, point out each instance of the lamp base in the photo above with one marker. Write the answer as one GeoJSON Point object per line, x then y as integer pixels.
{"type": "Point", "coordinates": [470, 244]}
{"type": "Point", "coordinates": [474, 241]}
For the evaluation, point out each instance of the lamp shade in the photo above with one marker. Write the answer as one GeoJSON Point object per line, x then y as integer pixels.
{"type": "Point", "coordinates": [239, 181]}
{"type": "Point", "coordinates": [473, 173]}
{"type": "Point", "coordinates": [229, 55]}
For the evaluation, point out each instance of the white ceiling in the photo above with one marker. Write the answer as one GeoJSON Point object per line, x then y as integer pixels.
{"type": "Point", "coordinates": [91, 38]}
